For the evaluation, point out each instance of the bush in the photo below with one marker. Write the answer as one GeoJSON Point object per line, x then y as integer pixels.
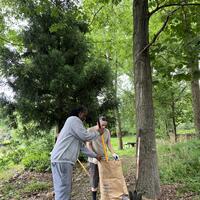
{"type": "Point", "coordinates": [16, 155]}
{"type": "Point", "coordinates": [11, 155]}
{"type": "Point", "coordinates": [37, 161]}
{"type": "Point", "coordinates": [37, 157]}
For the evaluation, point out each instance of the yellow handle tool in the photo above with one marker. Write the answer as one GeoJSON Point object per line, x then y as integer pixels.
{"type": "Point", "coordinates": [104, 148]}
{"type": "Point", "coordinates": [103, 143]}
{"type": "Point", "coordinates": [83, 167]}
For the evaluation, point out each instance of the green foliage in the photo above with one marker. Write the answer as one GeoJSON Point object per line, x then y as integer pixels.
{"type": "Point", "coordinates": [180, 163]}
{"type": "Point", "coordinates": [11, 155]}
{"type": "Point", "coordinates": [9, 191]}
{"type": "Point", "coordinates": [128, 112]}
{"type": "Point", "coordinates": [16, 155]}
{"type": "Point", "coordinates": [192, 185]}
{"type": "Point", "coordinates": [55, 71]}
{"type": "Point", "coordinates": [18, 190]}
{"type": "Point", "coordinates": [111, 33]}
{"type": "Point", "coordinates": [33, 151]}
{"type": "Point", "coordinates": [37, 156]}
{"type": "Point", "coordinates": [6, 174]}
{"type": "Point", "coordinates": [174, 59]}
{"type": "Point", "coordinates": [172, 100]}
{"type": "Point", "coordinates": [186, 130]}
{"type": "Point", "coordinates": [36, 161]}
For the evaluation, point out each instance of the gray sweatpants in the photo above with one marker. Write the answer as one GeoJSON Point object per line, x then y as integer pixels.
{"type": "Point", "coordinates": [62, 180]}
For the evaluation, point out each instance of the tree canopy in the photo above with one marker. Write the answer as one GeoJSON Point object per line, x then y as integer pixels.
{"type": "Point", "coordinates": [56, 70]}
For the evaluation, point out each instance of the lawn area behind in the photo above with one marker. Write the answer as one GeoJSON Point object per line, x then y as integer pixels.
{"type": "Point", "coordinates": [127, 151]}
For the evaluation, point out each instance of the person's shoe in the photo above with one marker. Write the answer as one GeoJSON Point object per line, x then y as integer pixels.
{"type": "Point", "coordinates": [94, 195]}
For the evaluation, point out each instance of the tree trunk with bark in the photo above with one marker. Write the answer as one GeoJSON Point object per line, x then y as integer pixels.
{"type": "Point", "coordinates": [167, 129]}
{"type": "Point", "coordinates": [174, 118]}
{"type": "Point", "coordinates": [117, 113]}
{"type": "Point", "coordinates": [148, 180]}
{"type": "Point", "coordinates": [118, 129]}
{"type": "Point", "coordinates": [196, 98]}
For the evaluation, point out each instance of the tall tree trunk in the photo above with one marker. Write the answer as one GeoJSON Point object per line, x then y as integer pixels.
{"type": "Point", "coordinates": [174, 128]}
{"type": "Point", "coordinates": [118, 129]}
{"type": "Point", "coordinates": [117, 113]}
{"type": "Point", "coordinates": [148, 180]}
{"type": "Point", "coordinates": [167, 129]}
{"type": "Point", "coordinates": [174, 118]}
{"type": "Point", "coordinates": [196, 98]}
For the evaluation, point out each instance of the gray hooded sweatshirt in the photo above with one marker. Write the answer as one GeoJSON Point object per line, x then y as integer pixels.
{"type": "Point", "coordinates": [71, 141]}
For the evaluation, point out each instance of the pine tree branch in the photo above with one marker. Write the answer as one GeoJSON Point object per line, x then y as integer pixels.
{"type": "Point", "coordinates": [171, 5]}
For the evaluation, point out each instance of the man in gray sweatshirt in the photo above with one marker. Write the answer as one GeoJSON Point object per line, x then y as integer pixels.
{"type": "Point", "coordinates": [66, 151]}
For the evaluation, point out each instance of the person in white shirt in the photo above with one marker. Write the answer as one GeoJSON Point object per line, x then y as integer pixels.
{"type": "Point", "coordinates": [65, 153]}
{"type": "Point", "coordinates": [97, 147]}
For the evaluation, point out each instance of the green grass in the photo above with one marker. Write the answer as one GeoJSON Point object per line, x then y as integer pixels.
{"type": "Point", "coordinates": [182, 131]}
{"type": "Point", "coordinates": [5, 175]}
{"type": "Point", "coordinates": [180, 163]}
{"type": "Point", "coordinates": [35, 186]}
{"type": "Point", "coordinates": [20, 189]}
{"type": "Point", "coordinates": [126, 151]}
{"type": "Point", "coordinates": [8, 191]}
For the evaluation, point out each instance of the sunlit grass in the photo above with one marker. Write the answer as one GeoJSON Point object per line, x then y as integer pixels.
{"type": "Point", "coordinates": [35, 186]}
{"type": "Point", "coordinates": [5, 175]}
{"type": "Point", "coordinates": [127, 151]}
{"type": "Point", "coordinates": [182, 131]}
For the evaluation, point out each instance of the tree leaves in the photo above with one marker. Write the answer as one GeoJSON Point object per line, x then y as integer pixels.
{"type": "Point", "coordinates": [54, 73]}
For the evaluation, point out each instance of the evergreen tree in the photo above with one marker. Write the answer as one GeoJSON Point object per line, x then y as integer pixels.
{"type": "Point", "coordinates": [56, 71]}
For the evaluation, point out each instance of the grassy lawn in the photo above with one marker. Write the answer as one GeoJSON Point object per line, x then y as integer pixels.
{"type": "Point", "coordinates": [182, 131]}
{"type": "Point", "coordinates": [126, 151]}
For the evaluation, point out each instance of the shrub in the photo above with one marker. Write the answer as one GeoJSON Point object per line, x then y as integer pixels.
{"type": "Point", "coordinates": [11, 155]}
{"type": "Point", "coordinates": [37, 156]}
{"type": "Point", "coordinates": [36, 161]}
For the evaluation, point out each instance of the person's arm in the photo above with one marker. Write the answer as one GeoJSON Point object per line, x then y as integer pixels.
{"type": "Point", "coordinates": [81, 133]}
{"type": "Point", "coordinates": [89, 145]}
{"type": "Point", "coordinates": [110, 147]}
{"type": "Point", "coordinates": [89, 152]}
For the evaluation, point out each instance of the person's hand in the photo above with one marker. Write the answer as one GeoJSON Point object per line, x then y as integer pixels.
{"type": "Point", "coordinates": [115, 156]}
{"type": "Point", "coordinates": [98, 157]}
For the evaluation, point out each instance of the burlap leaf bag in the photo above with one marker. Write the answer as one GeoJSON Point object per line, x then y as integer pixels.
{"type": "Point", "coordinates": [112, 182]}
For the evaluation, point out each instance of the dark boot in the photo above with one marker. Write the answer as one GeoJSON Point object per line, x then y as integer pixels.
{"type": "Point", "coordinates": [94, 195]}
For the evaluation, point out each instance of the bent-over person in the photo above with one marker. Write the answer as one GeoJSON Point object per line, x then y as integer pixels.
{"type": "Point", "coordinates": [65, 153]}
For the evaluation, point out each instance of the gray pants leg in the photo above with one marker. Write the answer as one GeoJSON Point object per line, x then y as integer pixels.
{"type": "Point", "coordinates": [62, 180]}
{"type": "Point", "coordinates": [94, 175]}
